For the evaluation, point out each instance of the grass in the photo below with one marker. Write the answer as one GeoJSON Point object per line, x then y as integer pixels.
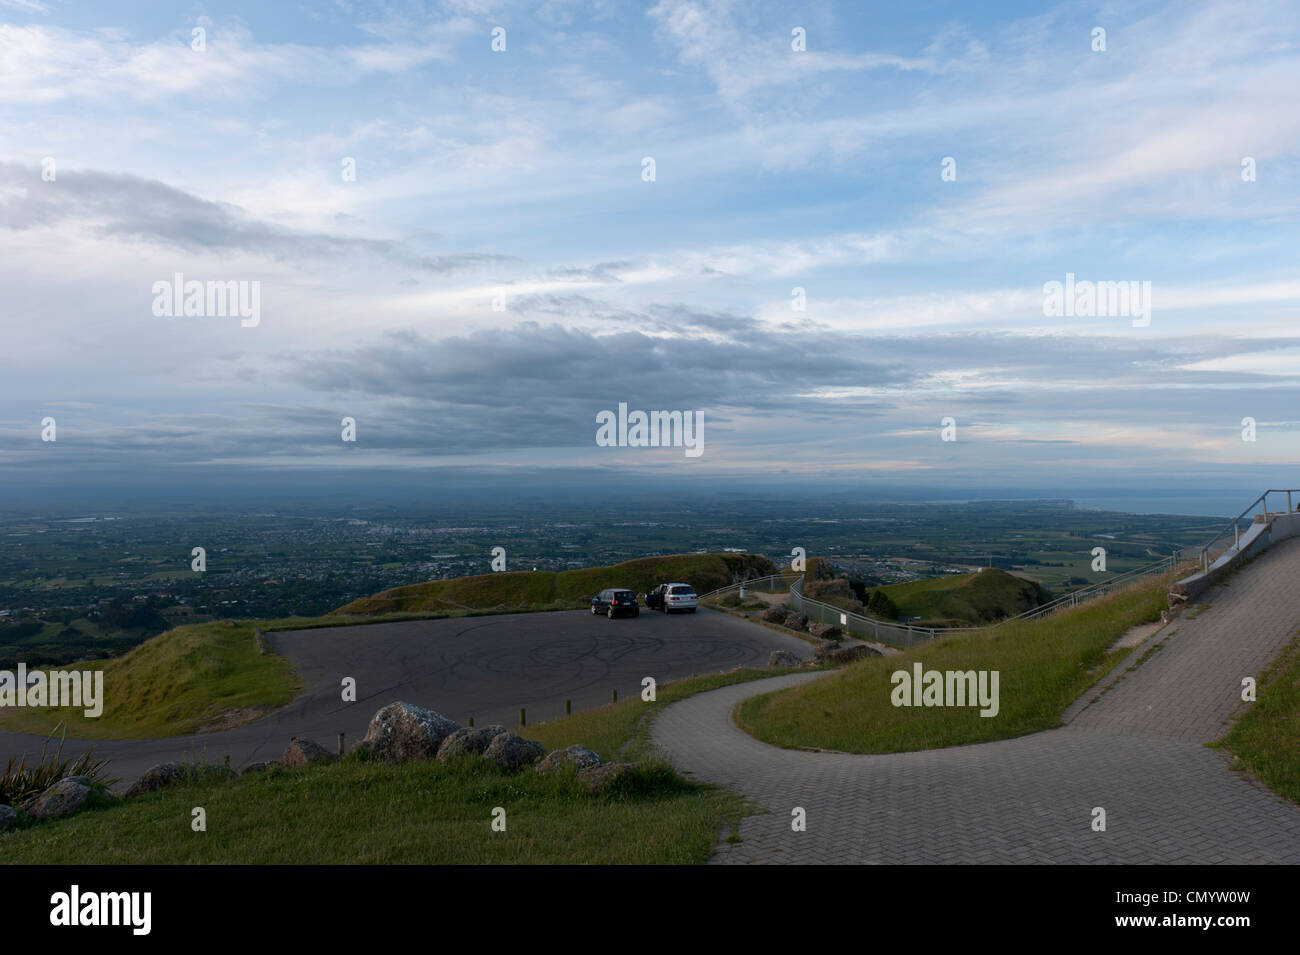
{"type": "Point", "coordinates": [568, 588]}
{"type": "Point", "coordinates": [622, 730]}
{"type": "Point", "coordinates": [966, 599]}
{"type": "Point", "coordinates": [176, 683]}
{"type": "Point", "coordinates": [1044, 665]}
{"type": "Point", "coordinates": [1266, 739]}
{"type": "Point", "coordinates": [418, 813]}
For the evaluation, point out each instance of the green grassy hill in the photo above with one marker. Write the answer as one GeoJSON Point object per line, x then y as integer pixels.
{"type": "Point", "coordinates": [1043, 666]}
{"type": "Point", "coordinates": [568, 588]}
{"type": "Point", "coordinates": [966, 599]}
{"type": "Point", "coordinates": [192, 677]}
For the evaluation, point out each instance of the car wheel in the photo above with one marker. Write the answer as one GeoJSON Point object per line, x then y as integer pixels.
{"type": "Point", "coordinates": [611, 613]}
{"type": "Point", "coordinates": [594, 611]}
{"type": "Point", "coordinates": [636, 613]}
{"type": "Point", "coordinates": [692, 610]}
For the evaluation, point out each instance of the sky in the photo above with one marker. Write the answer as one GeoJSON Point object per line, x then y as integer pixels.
{"type": "Point", "coordinates": [825, 229]}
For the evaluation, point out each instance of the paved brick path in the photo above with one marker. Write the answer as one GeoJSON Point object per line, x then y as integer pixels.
{"type": "Point", "coordinates": [1137, 751]}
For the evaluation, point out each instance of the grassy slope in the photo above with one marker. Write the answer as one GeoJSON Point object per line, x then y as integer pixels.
{"type": "Point", "coordinates": [984, 597]}
{"type": "Point", "coordinates": [175, 683]}
{"type": "Point", "coordinates": [1044, 665]}
{"type": "Point", "coordinates": [569, 587]}
{"type": "Point", "coordinates": [1266, 739]}
{"type": "Point", "coordinates": [424, 812]}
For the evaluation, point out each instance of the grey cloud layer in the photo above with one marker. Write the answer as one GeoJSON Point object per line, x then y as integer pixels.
{"type": "Point", "coordinates": [123, 206]}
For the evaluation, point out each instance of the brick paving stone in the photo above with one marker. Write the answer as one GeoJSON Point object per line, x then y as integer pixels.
{"type": "Point", "coordinates": [1138, 751]}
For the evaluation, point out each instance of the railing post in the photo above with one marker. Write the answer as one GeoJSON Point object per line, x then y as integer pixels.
{"type": "Point", "coordinates": [1288, 502]}
{"type": "Point", "coordinates": [1236, 536]}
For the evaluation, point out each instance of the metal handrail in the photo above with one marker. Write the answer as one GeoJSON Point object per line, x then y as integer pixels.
{"type": "Point", "coordinates": [1235, 525]}
{"type": "Point", "coordinates": [753, 582]}
{"type": "Point", "coordinates": [1164, 565]}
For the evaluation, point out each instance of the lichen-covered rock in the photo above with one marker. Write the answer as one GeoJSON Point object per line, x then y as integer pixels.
{"type": "Point", "coordinates": [511, 751]}
{"type": "Point", "coordinates": [157, 777]}
{"type": "Point", "coordinates": [304, 752]}
{"type": "Point", "coordinates": [825, 631]}
{"type": "Point", "coordinates": [827, 653]}
{"type": "Point", "coordinates": [172, 774]}
{"type": "Point", "coordinates": [795, 620]}
{"type": "Point", "coordinates": [607, 777]}
{"type": "Point", "coordinates": [468, 741]}
{"type": "Point", "coordinates": [561, 759]}
{"type": "Point", "coordinates": [783, 658]}
{"type": "Point", "coordinates": [776, 614]}
{"type": "Point", "coordinates": [8, 817]}
{"type": "Point", "coordinates": [61, 799]}
{"type": "Point", "coordinates": [402, 731]}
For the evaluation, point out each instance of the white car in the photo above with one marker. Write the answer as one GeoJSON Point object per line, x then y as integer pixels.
{"type": "Point", "coordinates": [672, 597]}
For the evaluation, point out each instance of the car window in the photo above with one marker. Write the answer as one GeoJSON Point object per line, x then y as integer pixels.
{"type": "Point", "coordinates": [683, 590]}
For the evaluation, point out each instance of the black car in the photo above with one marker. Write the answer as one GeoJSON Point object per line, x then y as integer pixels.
{"type": "Point", "coordinates": [616, 602]}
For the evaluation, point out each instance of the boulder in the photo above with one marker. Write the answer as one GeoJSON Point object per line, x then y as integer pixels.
{"type": "Point", "coordinates": [776, 614]}
{"type": "Point", "coordinates": [606, 777]}
{"type": "Point", "coordinates": [62, 799]}
{"type": "Point", "coordinates": [8, 817]}
{"type": "Point", "coordinates": [468, 741]}
{"type": "Point", "coordinates": [304, 752]}
{"type": "Point", "coordinates": [795, 620]}
{"type": "Point", "coordinates": [511, 751]}
{"type": "Point", "coordinates": [171, 774]}
{"type": "Point", "coordinates": [827, 653]}
{"type": "Point", "coordinates": [561, 759]}
{"type": "Point", "coordinates": [825, 631]}
{"type": "Point", "coordinates": [157, 777]}
{"type": "Point", "coordinates": [783, 658]}
{"type": "Point", "coordinates": [402, 731]}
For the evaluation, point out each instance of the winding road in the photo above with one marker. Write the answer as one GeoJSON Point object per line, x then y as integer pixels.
{"type": "Point", "coordinates": [1137, 750]}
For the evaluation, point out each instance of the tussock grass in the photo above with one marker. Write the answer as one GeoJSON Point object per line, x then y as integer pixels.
{"type": "Point", "coordinates": [1266, 739]}
{"type": "Point", "coordinates": [22, 780]}
{"type": "Point", "coordinates": [1044, 665]}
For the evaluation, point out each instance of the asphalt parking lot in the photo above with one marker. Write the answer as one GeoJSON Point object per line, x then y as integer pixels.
{"type": "Point", "coordinates": [484, 667]}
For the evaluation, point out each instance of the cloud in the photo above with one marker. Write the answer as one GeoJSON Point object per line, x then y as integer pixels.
{"type": "Point", "coordinates": [117, 206]}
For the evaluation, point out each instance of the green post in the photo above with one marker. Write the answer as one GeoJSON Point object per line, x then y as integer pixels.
{"type": "Point", "coordinates": [471, 721]}
{"type": "Point", "coordinates": [568, 707]}
{"type": "Point", "coordinates": [613, 696]}
{"type": "Point", "coordinates": [522, 721]}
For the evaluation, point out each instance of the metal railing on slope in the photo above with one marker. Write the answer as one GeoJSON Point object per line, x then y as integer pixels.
{"type": "Point", "coordinates": [1234, 528]}
{"type": "Point", "coordinates": [770, 584]}
{"type": "Point", "coordinates": [906, 635]}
